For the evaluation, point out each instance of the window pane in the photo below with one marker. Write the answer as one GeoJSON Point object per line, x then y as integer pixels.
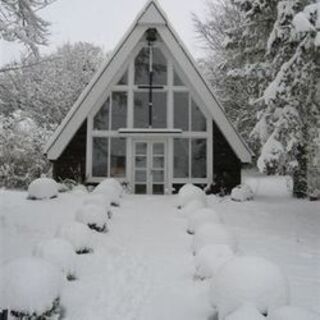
{"type": "Point", "coordinates": [199, 122]}
{"type": "Point", "coordinates": [119, 110]}
{"type": "Point", "coordinates": [140, 189]}
{"type": "Point", "coordinates": [141, 162]}
{"type": "Point", "coordinates": [141, 175]}
{"type": "Point", "coordinates": [158, 189]}
{"type": "Point", "coordinates": [177, 80]}
{"type": "Point", "coordinates": [158, 149]}
{"type": "Point", "coordinates": [181, 110]}
{"type": "Point", "coordinates": [118, 158]}
{"type": "Point", "coordinates": [199, 158]}
{"type": "Point", "coordinates": [181, 158]}
{"type": "Point", "coordinates": [124, 79]}
{"type": "Point", "coordinates": [101, 120]}
{"type": "Point", "coordinates": [159, 110]}
{"type": "Point", "coordinates": [159, 67]}
{"type": "Point", "coordinates": [141, 110]}
{"type": "Point", "coordinates": [141, 148]}
{"type": "Point", "coordinates": [142, 67]}
{"type": "Point", "coordinates": [100, 157]}
{"type": "Point", "coordinates": [158, 176]}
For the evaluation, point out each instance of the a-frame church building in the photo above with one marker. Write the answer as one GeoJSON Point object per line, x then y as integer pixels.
{"type": "Point", "coordinates": [149, 119]}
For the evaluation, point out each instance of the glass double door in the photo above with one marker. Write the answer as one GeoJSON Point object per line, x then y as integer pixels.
{"type": "Point", "coordinates": [150, 158]}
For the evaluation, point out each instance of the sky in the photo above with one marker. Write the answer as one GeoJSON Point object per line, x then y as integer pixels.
{"type": "Point", "coordinates": [103, 22]}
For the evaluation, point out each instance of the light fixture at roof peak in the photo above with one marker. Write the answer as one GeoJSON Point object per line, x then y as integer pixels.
{"type": "Point", "coordinates": [151, 35]}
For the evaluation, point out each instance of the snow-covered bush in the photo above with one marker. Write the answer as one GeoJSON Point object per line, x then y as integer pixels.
{"type": "Point", "coordinates": [94, 216]}
{"type": "Point", "coordinates": [200, 217]}
{"type": "Point", "coordinates": [31, 289]}
{"type": "Point", "coordinates": [292, 313]}
{"type": "Point", "coordinates": [211, 259]}
{"type": "Point", "coordinates": [249, 279]}
{"type": "Point", "coordinates": [79, 189]}
{"type": "Point", "coordinates": [209, 234]}
{"type": "Point", "coordinates": [242, 193]}
{"type": "Point", "coordinates": [112, 189]}
{"type": "Point", "coordinates": [99, 200]}
{"type": "Point", "coordinates": [58, 252]}
{"type": "Point", "coordinates": [42, 188]}
{"type": "Point", "coordinates": [62, 187]}
{"type": "Point", "coordinates": [79, 235]}
{"type": "Point", "coordinates": [21, 152]}
{"type": "Point", "coordinates": [189, 193]}
{"type": "Point", "coordinates": [246, 312]}
{"type": "Point", "coordinates": [192, 206]}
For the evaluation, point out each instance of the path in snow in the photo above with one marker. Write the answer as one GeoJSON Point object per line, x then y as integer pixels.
{"type": "Point", "coordinates": [143, 269]}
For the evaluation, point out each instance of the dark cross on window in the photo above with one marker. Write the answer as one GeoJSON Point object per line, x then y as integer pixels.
{"type": "Point", "coordinates": [151, 38]}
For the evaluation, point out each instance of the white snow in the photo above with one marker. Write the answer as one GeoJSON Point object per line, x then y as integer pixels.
{"type": "Point", "coordinates": [78, 234]}
{"type": "Point", "coordinates": [242, 193]}
{"type": "Point", "coordinates": [211, 259]}
{"type": "Point", "coordinates": [144, 269]}
{"type": "Point", "coordinates": [246, 312]}
{"type": "Point", "coordinates": [93, 215]}
{"type": "Point", "coordinates": [43, 188]}
{"type": "Point", "coordinates": [210, 233]}
{"type": "Point", "coordinates": [293, 313]}
{"type": "Point", "coordinates": [202, 216]}
{"type": "Point", "coordinates": [58, 252]}
{"type": "Point", "coordinates": [301, 23]}
{"type": "Point", "coordinates": [111, 188]}
{"type": "Point", "coordinates": [189, 193]}
{"type": "Point", "coordinates": [29, 285]}
{"type": "Point", "coordinates": [192, 206]}
{"type": "Point", "coordinates": [249, 279]}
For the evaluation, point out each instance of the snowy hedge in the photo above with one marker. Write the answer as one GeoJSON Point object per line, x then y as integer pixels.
{"type": "Point", "coordinates": [189, 193]}
{"type": "Point", "coordinates": [201, 216]}
{"type": "Point", "coordinates": [210, 234]}
{"type": "Point", "coordinates": [249, 279]}
{"type": "Point", "coordinates": [98, 199]}
{"type": "Point", "coordinates": [211, 259]}
{"type": "Point", "coordinates": [79, 235]}
{"type": "Point", "coordinates": [32, 289]}
{"type": "Point", "coordinates": [293, 313]}
{"type": "Point", "coordinates": [42, 188]}
{"type": "Point", "coordinates": [192, 206]}
{"type": "Point", "coordinates": [111, 189]}
{"type": "Point", "coordinates": [246, 312]}
{"type": "Point", "coordinates": [58, 252]}
{"type": "Point", "coordinates": [94, 216]}
{"type": "Point", "coordinates": [242, 193]}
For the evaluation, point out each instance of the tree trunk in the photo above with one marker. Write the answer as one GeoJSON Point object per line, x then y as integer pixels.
{"type": "Point", "coordinates": [300, 175]}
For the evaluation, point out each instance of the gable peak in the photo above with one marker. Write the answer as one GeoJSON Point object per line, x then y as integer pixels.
{"type": "Point", "coordinates": [152, 14]}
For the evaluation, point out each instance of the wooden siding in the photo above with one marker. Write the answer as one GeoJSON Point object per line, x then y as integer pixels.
{"type": "Point", "coordinates": [72, 162]}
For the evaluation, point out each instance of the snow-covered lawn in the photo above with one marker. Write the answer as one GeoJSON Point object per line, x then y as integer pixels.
{"type": "Point", "coordinates": [144, 268]}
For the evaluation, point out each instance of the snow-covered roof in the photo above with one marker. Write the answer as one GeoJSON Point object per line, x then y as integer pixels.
{"type": "Point", "coordinates": [151, 16]}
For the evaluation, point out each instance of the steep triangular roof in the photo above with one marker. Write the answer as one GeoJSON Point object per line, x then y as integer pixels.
{"type": "Point", "coordinates": [151, 16]}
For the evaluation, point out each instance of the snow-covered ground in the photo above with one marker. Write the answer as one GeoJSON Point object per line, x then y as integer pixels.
{"type": "Point", "coordinates": [144, 269]}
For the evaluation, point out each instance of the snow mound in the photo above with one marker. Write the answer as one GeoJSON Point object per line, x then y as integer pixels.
{"type": "Point", "coordinates": [99, 200]}
{"type": "Point", "coordinates": [190, 192]}
{"type": "Point", "coordinates": [79, 189]}
{"type": "Point", "coordinates": [210, 234]}
{"type": "Point", "coordinates": [246, 312]}
{"type": "Point", "coordinates": [249, 279]}
{"type": "Point", "coordinates": [211, 259]}
{"type": "Point", "coordinates": [242, 193]}
{"type": "Point", "coordinates": [201, 216]}
{"type": "Point", "coordinates": [58, 252]}
{"type": "Point", "coordinates": [192, 206]}
{"type": "Point", "coordinates": [31, 285]}
{"type": "Point", "coordinates": [112, 189]}
{"type": "Point", "coordinates": [94, 216]}
{"type": "Point", "coordinates": [78, 234]}
{"type": "Point", "coordinates": [42, 188]}
{"type": "Point", "coordinates": [292, 313]}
